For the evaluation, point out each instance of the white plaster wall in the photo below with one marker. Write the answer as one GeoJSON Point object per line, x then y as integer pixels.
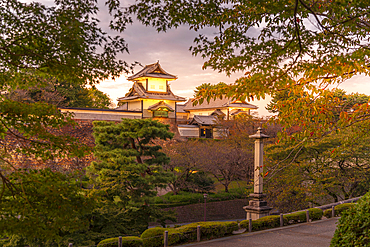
{"type": "Point", "coordinates": [147, 114]}
{"type": "Point", "coordinates": [134, 106]}
{"type": "Point", "coordinates": [188, 132]}
{"type": "Point", "coordinates": [182, 116]}
{"type": "Point", "coordinates": [154, 84]}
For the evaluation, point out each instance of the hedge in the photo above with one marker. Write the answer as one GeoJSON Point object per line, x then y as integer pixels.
{"type": "Point", "coordinates": [153, 237]}
{"type": "Point", "coordinates": [297, 217]}
{"type": "Point", "coordinates": [339, 209]}
{"type": "Point", "coordinates": [315, 213]}
{"type": "Point", "coordinates": [273, 221]}
{"type": "Point", "coordinates": [262, 223]}
{"type": "Point", "coordinates": [130, 241]}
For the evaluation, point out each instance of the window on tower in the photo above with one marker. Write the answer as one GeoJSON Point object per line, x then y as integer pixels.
{"type": "Point", "coordinates": [161, 112]}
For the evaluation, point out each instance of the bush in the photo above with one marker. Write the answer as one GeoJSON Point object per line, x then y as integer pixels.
{"type": "Point", "coordinates": [153, 237]}
{"type": "Point", "coordinates": [338, 209]}
{"type": "Point", "coordinates": [266, 222]}
{"type": "Point", "coordinates": [211, 230]}
{"type": "Point", "coordinates": [353, 228]}
{"type": "Point", "coordinates": [272, 221]}
{"type": "Point", "coordinates": [294, 218]}
{"type": "Point", "coordinates": [130, 241]}
{"type": "Point", "coordinates": [327, 213]}
{"type": "Point", "coordinates": [315, 213]}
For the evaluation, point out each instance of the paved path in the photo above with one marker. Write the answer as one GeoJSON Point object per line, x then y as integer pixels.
{"type": "Point", "coordinates": [315, 234]}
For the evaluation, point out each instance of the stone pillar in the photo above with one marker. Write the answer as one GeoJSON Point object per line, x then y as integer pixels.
{"type": "Point", "coordinates": [257, 207]}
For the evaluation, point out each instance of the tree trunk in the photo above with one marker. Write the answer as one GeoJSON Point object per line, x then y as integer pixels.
{"type": "Point", "coordinates": [226, 187]}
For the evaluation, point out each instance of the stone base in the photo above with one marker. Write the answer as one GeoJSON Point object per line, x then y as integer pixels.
{"type": "Point", "coordinates": [257, 207]}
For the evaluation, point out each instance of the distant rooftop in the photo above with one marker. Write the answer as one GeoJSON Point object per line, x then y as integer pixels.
{"type": "Point", "coordinates": [204, 120]}
{"type": "Point", "coordinates": [152, 70]}
{"type": "Point", "coordinates": [218, 103]}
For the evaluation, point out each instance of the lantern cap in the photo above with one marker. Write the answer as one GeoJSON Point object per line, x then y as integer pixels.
{"type": "Point", "coordinates": [259, 135]}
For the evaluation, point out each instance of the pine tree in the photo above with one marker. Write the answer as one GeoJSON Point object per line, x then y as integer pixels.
{"type": "Point", "coordinates": [129, 169]}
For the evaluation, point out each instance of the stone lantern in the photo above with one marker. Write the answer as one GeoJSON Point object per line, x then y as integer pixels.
{"type": "Point", "coordinates": [257, 207]}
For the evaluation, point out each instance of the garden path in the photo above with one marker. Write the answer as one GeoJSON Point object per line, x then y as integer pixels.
{"type": "Point", "coordinates": [313, 234]}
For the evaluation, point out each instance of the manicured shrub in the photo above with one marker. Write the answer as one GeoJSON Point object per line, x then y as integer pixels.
{"type": "Point", "coordinates": [315, 213]}
{"type": "Point", "coordinates": [272, 221]}
{"type": "Point", "coordinates": [298, 217]}
{"type": "Point", "coordinates": [294, 218]}
{"type": "Point", "coordinates": [327, 213]}
{"type": "Point", "coordinates": [153, 237]}
{"type": "Point", "coordinates": [211, 230]}
{"type": "Point", "coordinates": [353, 228]}
{"type": "Point", "coordinates": [130, 241]}
{"type": "Point", "coordinates": [338, 209]}
{"type": "Point", "coordinates": [244, 224]}
{"type": "Point", "coordinates": [266, 222]}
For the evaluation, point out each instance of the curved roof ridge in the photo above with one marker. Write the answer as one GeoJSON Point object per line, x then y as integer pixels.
{"type": "Point", "coordinates": [149, 71]}
{"type": "Point", "coordinates": [217, 103]}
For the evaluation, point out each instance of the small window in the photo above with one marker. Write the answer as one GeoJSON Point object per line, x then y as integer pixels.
{"type": "Point", "coordinates": [161, 112]}
{"type": "Point", "coordinates": [152, 86]}
{"type": "Point", "coordinates": [161, 87]}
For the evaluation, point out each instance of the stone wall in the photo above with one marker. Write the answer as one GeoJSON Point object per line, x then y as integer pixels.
{"type": "Point", "coordinates": [225, 210]}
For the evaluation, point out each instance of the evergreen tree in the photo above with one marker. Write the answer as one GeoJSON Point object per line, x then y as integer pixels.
{"type": "Point", "coordinates": [130, 169]}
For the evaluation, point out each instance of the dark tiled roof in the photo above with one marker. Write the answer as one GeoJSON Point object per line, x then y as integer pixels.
{"type": "Point", "coordinates": [180, 109]}
{"type": "Point", "coordinates": [152, 70]}
{"type": "Point", "coordinates": [204, 120]}
{"type": "Point", "coordinates": [217, 103]}
{"type": "Point", "coordinates": [138, 92]}
{"type": "Point", "coordinates": [218, 112]}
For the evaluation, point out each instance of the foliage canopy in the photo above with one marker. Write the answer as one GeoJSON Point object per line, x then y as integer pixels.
{"type": "Point", "coordinates": [44, 45]}
{"type": "Point", "coordinates": [304, 46]}
{"type": "Point", "coordinates": [42, 205]}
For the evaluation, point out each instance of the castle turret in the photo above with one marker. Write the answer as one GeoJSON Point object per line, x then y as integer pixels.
{"type": "Point", "coordinates": [151, 93]}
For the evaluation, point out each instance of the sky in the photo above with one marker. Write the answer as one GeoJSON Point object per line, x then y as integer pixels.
{"type": "Point", "coordinates": [171, 49]}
